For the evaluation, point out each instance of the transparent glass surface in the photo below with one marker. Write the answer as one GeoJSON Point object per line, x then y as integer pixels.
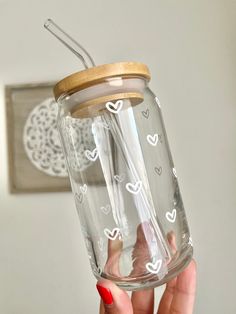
{"type": "Point", "coordinates": [125, 185]}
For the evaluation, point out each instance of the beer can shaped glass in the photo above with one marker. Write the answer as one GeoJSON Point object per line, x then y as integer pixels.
{"type": "Point", "coordinates": [122, 175]}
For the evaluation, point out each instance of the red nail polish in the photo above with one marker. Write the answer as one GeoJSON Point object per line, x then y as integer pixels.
{"type": "Point", "coordinates": [105, 294]}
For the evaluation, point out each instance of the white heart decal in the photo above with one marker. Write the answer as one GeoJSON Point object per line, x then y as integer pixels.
{"type": "Point", "coordinates": [83, 188]}
{"type": "Point", "coordinates": [171, 215]}
{"type": "Point", "coordinates": [91, 155]}
{"type": "Point", "coordinates": [112, 235]}
{"type": "Point", "coordinates": [154, 268]}
{"type": "Point", "coordinates": [119, 178]}
{"type": "Point", "coordinates": [106, 209]}
{"type": "Point", "coordinates": [114, 107]}
{"type": "Point", "coordinates": [134, 188]}
{"type": "Point", "coordinates": [152, 139]}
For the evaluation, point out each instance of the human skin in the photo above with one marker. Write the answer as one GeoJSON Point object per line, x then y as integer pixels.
{"type": "Point", "coordinates": [178, 297]}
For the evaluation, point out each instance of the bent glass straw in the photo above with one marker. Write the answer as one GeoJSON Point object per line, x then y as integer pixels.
{"type": "Point", "coordinates": [70, 43]}
{"type": "Point", "coordinates": [87, 61]}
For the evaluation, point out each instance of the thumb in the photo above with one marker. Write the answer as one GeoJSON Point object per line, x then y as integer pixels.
{"type": "Point", "coordinates": [114, 300]}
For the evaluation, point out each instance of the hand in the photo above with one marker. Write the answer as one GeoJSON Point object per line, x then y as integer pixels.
{"type": "Point", "coordinates": [178, 297]}
{"type": "Point", "coordinates": [179, 294]}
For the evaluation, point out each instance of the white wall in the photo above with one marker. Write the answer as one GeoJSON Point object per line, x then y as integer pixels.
{"type": "Point", "coordinates": [190, 49]}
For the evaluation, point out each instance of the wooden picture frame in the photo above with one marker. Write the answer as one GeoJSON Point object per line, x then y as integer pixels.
{"type": "Point", "coordinates": [24, 177]}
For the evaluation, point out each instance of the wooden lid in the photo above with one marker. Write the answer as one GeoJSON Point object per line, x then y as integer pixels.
{"type": "Point", "coordinates": [92, 76]}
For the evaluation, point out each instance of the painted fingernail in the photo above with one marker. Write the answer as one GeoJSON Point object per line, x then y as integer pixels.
{"type": "Point", "coordinates": [105, 294]}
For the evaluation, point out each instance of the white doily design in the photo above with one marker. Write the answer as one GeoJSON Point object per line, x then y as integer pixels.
{"type": "Point", "coordinates": [41, 139]}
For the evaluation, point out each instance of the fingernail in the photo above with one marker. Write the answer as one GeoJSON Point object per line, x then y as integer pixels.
{"type": "Point", "coordinates": [105, 294]}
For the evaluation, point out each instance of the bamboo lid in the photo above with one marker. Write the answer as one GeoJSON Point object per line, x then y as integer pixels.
{"type": "Point", "coordinates": [92, 76]}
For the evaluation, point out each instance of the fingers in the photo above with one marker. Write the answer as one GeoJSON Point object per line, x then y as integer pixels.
{"type": "Point", "coordinates": [172, 241]}
{"type": "Point", "coordinates": [140, 254]}
{"type": "Point", "coordinates": [114, 300]}
{"type": "Point", "coordinates": [143, 301]}
{"type": "Point", "coordinates": [184, 295]}
{"type": "Point", "coordinates": [167, 297]}
{"type": "Point", "coordinates": [180, 293]}
{"type": "Point", "coordinates": [113, 255]}
{"type": "Point", "coordinates": [166, 300]}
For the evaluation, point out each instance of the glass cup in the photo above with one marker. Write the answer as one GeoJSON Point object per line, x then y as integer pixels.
{"type": "Point", "coordinates": [122, 175]}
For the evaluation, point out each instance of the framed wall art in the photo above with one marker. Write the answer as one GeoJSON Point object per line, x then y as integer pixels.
{"type": "Point", "coordinates": [36, 161]}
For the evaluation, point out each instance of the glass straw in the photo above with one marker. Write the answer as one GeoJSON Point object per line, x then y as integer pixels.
{"type": "Point", "coordinates": [87, 61]}
{"type": "Point", "coordinates": [70, 43]}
